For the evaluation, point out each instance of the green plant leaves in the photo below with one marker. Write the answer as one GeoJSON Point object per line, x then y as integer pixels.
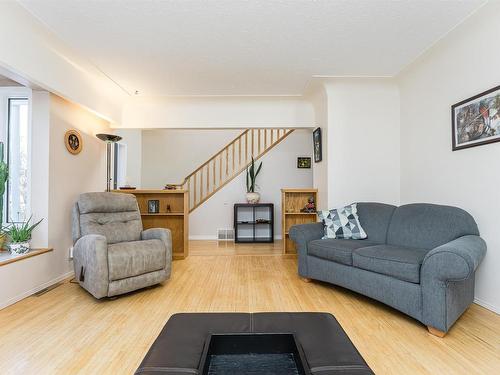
{"type": "Point", "coordinates": [252, 176]}
{"type": "Point", "coordinates": [21, 232]}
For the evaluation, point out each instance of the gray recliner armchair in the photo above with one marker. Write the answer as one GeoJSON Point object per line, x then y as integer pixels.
{"type": "Point", "coordinates": [112, 255]}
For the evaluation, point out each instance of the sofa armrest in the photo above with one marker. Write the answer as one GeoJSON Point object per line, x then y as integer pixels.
{"type": "Point", "coordinates": [455, 260]}
{"type": "Point", "coordinates": [302, 235]}
{"type": "Point", "coordinates": [163, 235]}
{"type": "Point", "coordinates": [90, 255]}
{"type": "Point", "coordinates": [447, 280]}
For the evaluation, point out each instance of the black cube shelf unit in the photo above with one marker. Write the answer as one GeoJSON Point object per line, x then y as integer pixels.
{"type": "Point", "coordinates": [254, 223]}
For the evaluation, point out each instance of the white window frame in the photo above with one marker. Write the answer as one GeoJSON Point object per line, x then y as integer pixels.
{"type": "Point", "coordinates": [7, 93]}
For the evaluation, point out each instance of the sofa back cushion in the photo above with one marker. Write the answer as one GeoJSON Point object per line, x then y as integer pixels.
{"type": "Point", "coordinates": [115, 216]}
{"type": "Point", "coordinates": [427, 226]}
{"type": "Point", "coordinates": [375, 219]}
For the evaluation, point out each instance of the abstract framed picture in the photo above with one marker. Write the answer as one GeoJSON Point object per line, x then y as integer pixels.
{"type": "Point", "coordinates": [317, 145]}
{"type": "Point", "coordinates": [476, 121]}
{"type": "Point", "coordinates": [303, 162]}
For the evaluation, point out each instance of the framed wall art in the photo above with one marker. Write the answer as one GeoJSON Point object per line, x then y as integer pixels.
{"type": "Point", "coordinates": [303, 162]}
{"type": "Point", "coordinates": [73, 141]}
{"type": "Point", "coordinates": [318, 155]}
{"type": "Point", "coordinates": [476, 121]}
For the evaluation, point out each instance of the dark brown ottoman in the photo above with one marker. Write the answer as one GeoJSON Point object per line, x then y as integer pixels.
{"type": "Point", "coordinates": [179, 347]}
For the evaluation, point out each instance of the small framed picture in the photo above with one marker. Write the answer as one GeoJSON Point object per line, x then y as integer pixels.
{"type": "Point", "coordinates": [317, 145]}
{"type": "Point", "coordinates": [153, 206]}
{"type": "Point", "coordinates": [73, 141]}
{"type": "Point", "coordinates": [303, 162]}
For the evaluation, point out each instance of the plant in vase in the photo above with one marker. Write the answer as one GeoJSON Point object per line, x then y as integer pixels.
{"type": "Point", "coordinates": [20, 236]}
{"type": "Point", "coordinates": [252, 195]}
{"type": "Point", "coordinates": [4, 175]}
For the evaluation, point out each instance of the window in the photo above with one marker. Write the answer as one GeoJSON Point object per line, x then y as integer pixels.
{"type": "Point", "coordinates": [18, 159]}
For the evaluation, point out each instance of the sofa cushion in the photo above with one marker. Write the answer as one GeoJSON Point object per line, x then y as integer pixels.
{"type": "Point", "coordinates": [400, 262]}
{"type": "Point", "coordinates": [336, 250]}
{"type": "Point", "coordinates": [128, 259]}
{"type": "Point", "coordinates": [427, 226]}
{"type": "Point", "coordinates": [342, 223]}
{"type": "Point", "coordinates": [375, 219]}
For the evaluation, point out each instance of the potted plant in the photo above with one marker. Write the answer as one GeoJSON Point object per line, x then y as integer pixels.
{"type": "Point", "coordinates": [20, 236]}
{"type": "Point", "coordinates": [252, 195]}
{"type": "Point", "coordinates": [4, 174]}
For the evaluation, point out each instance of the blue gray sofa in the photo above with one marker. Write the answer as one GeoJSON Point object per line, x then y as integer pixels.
{"type": "Point", "coordinates": [418, 258]}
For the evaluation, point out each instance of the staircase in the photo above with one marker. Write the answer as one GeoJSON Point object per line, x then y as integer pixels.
{"type": "Point", "coordinates": [229, 162]}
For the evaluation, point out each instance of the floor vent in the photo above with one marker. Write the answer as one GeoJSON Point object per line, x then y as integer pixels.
{"type": "Point", "coordinates": [48, 289]}
{"type": "Point", "coordinates": [225, 234]}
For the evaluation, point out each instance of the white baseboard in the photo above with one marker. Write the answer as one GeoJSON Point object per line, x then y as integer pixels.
{"type": "Point", "coordinates": [38, 288]}
{"type": "Point", "coordinates": [202, 237]}
{"type": "Point", "coordinates": [488, 306]}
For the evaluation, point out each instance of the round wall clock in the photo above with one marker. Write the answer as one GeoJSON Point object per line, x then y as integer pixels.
{"type": "Point", "coordinates": [73, 141]}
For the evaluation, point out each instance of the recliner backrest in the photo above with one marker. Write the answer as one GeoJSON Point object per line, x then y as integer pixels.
{"type": "Point", "coordinates": [116, 216]}
{"type": "Point", "coordinates": [375, 219]}
{"type": "Point", "coordinates": [426, 226]}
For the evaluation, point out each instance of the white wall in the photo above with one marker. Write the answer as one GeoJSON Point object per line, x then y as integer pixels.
{"type": "Point", "coordinates": [217, 112]}
{"type": "Point", "coordinates": [463, 64]}
{"type": "Point", "coordinates": [359, 118]}
{"type": "Point", "coordinates": [58, 178]}
{"type": "Point", "coordinates": [319, 100]}
{"type": "Point", "coordinates": [40, 165]}
{"type": "Point", "coordinates": [133, 139]}
{"type": "Point", "coordinates": [31, 54]}
{"type": "Point", "coordinates": [279, 170]}
{"type": "Point", "coordinates": [169, 155]}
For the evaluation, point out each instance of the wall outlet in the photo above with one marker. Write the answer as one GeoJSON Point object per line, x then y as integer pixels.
{"type": "Point", "coordinates": [71, 252]}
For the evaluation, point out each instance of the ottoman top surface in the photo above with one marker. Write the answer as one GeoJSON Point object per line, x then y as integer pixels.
{"type": "Point", "coordinates": [179, 347]}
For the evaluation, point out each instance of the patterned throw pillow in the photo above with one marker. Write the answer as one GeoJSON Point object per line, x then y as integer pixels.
{"type": "Point", "coordinates": [342, 223]}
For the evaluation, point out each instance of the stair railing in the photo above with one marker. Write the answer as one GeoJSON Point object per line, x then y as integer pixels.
{"type": "Point", "coordinates": [229, 162]}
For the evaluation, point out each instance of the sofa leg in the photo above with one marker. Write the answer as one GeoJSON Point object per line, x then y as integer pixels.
{"type": "Point", "coordinates": [436, 332]}
{"type": "Point", "coordinates": [306, 279]}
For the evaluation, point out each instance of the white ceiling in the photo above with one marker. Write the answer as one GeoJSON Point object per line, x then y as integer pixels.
{"type": "Point", "coordinates": [259, 47]}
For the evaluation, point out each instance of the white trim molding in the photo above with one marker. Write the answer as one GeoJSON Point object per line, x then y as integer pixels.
{"type": "Point", "coordinates": [487, 306]}
{"type": "Point", "coordinates": [36, 289]}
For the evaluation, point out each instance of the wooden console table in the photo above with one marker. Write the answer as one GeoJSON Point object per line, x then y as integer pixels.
{"type": "Point", "coordinates": [172, 214]}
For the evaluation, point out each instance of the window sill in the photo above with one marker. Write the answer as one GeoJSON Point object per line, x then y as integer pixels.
{"type": "Point", "coordinates": [6, 257]}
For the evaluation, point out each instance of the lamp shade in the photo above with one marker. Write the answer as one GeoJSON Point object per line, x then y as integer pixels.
{"type": "Point", "coordinates": [109, 138]}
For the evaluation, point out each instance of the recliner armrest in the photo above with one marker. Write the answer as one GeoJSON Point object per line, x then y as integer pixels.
{"type": "Point", "coordinates": [163, 235]}
{"type": "Point", "coordinates": [90, 254]}
{"type": "Point", "coordinates": [455, 260]}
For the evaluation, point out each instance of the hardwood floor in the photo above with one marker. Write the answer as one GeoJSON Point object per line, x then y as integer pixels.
{"type": "Point", "coordinates": [67, 331]}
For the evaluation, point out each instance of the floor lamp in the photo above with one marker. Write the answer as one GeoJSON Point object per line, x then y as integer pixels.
{"type": "Point", "coordinates": [109, 139]}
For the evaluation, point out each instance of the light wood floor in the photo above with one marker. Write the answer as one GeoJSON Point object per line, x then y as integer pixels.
{"type": "Point", "coordinates": [66, 331]}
